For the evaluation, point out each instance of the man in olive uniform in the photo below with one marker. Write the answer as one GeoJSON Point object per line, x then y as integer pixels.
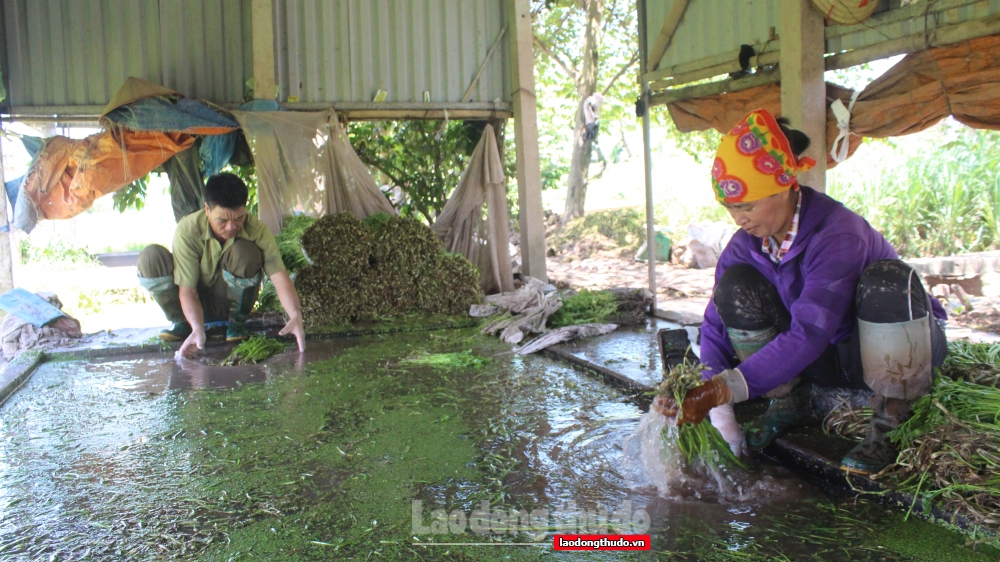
{"type": "Point", "coordinates": [220, 257]}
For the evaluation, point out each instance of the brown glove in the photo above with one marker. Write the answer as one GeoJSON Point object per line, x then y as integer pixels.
{"type": "Point", "coordinates": [698, 401]}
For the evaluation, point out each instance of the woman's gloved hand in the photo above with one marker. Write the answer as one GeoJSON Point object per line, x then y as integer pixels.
{"type": "Point", "coordinates": [717, 391]}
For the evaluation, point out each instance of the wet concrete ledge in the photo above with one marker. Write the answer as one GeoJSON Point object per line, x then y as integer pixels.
{"type": "Point", "coordinates": [17, 372]}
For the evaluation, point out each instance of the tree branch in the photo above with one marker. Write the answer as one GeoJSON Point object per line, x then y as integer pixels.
{"type": "Point", "coordinates": [545, 49]}
{"type": "Point", "coordinates": [621, 71]}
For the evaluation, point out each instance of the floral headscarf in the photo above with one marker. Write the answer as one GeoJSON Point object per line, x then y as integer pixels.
{"type": "Point", "coordinates": [755, 161]}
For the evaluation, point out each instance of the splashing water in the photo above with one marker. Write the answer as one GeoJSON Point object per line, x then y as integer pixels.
{"type": "Point", "coordinates": [651, 458]}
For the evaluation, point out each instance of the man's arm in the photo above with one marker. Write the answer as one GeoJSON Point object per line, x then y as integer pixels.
{"type": "Point", "coordinates": [195, 316]}
{"type": "Point", "coordinates": [290, 302]}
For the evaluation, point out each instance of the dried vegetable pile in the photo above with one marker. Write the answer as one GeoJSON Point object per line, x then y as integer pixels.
{"type": "Point", "coordinates": [950, 447]}
{"type": "Point", "coordinates": [381, 267]}
{"type": "Point", "coordinates": [701, 441]}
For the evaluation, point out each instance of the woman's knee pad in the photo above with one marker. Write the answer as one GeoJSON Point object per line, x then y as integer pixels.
{"type": "Point", "coordinates": [894, 327]}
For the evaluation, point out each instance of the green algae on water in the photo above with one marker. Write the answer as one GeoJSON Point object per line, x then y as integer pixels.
{"type": "Point", "coordinates": [447, 361]}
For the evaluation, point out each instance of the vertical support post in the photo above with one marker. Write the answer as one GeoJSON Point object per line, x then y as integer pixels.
{"type": "Point", "coordinates": [803, 90]}
{"type": "Point", "coordinates": [262, 37]}
{"type": "Point", "coordinates": [6, 265]}
{"type": "Point", "coordinates": [529, 175]}
{"type": "Point", "coordinates": [647, 156]}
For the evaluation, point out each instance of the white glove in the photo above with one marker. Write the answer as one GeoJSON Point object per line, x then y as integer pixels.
{"type": "Point", "coordinates": [724, 419]}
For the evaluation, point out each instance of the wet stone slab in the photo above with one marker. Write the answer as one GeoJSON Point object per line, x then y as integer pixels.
{"type": "Point", "coordinates": [629, 354]}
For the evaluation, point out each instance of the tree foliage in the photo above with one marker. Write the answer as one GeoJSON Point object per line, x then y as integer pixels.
{"type": "Point", "coordinates": [584, 47]}
{"type": "Point", "coordinates": [132, 196]}
{"type": "Point", "coordinates": [425, 159]}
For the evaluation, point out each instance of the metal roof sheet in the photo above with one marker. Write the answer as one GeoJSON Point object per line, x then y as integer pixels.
{"type": "Point", "coordinates": [78, 52]}
{"type": "Point", "coordinates": [347, 50]}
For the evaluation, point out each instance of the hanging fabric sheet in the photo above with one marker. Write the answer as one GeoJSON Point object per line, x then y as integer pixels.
{"type": "Point", "coordinates": [186, 184]}
{"type": "Point", "coordinates": [216, 151]}
{"type": "Point", "coordinates": [461, 226]}
{"type": "Point", "coordinates": [305, 163]}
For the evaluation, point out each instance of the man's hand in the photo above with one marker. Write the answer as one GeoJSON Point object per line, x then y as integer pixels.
{"type": "Point", "coordinates": [700, 400]}
{"type": "Point", "coordinates": [290, 302]}
{"type": "Point", "coordinates": [193, 343]}
{"type": "Point", "coordinates": [294, 326]}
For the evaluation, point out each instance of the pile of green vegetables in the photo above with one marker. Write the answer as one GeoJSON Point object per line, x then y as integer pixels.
{"type": "Point", "coordinates": [290, 247]}
{"type": "Point", "coordinates": [384, 266]}
{"type": "Point", "coordinates": [253, 350]}
{"type": "Point", "coordinates": [950, 447]}
{"type": "Point", "coordinates": [697, 442]}
{"type": "Point", "coordinates": [625, 307]}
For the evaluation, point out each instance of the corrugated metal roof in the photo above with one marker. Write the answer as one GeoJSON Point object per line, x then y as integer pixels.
{"type": "Point", "coordinates": [711, 27]}
{"type": "Point", "coordinates": [78, 52]}
{"type": "Point", "coordinates": [923, 17]}
{"type": "Point", "coordinates": [346, 50]}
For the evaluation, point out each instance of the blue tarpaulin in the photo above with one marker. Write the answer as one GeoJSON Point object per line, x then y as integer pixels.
{"type": "Point", "coordinates": [164, 114]}
{"type": "Point", "coordinates": [32, 144]}
{"type": "Point", "coordinates": [215, 151]}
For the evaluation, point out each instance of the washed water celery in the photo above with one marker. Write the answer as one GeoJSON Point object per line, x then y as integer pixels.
{"type": "Point", "coordinates": [700, 441]}
{"type": "Point", "coordinates": [254, 350]}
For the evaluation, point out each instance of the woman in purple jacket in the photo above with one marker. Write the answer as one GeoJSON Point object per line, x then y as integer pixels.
{"type": "Point", "coordinates": [807, 293]}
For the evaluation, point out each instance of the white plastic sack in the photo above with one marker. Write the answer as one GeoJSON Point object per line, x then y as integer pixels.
{"type": "Point", "coordinates": [707, 243]}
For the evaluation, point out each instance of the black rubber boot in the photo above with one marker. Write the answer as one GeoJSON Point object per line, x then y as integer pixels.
{"type": "Point", "coordinates": [675, 348]}
{"type": "Point", "coordinates": [877, 451]}
{"type": "Point", "coordinates": [178, 332]}
{"type": "Point", "coordinates": [782, 414]}
{"type": "Point", "coordinates": [170, 301]}
{"type": "Point", "coordinates": [243, 294]}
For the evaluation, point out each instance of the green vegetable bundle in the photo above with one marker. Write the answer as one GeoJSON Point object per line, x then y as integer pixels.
{"type": "Point", "coordinates": [973, 362]}
{"type": "Point", "coordinates": [701, 441]}
{"type": "Point", "coordinates": [254, 350]}
{"type": "Point", "coordinates": [289, 242]}
{"type": "Point", "coordinates": [620, 306]}
{"type": "Point", "coordinates": [585, 307]}
{"type": "Point", "coordinates": [950, 450]}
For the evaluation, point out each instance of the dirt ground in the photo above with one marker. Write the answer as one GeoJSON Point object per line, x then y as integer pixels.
{"type": "Point", "coordinates": [680, 291]}
{"type": "Point", "coordinates": [682, 294]}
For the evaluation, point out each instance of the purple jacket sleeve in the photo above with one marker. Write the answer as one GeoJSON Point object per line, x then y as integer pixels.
{"type": "Point", "coordinates": [831, 269]}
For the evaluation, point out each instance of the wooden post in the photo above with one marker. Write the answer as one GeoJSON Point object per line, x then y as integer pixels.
{"type": "Point", "coordinates": [529, 175]}
{"type": "Point", "coordinates": [6, 265]}
{"type": "Point", "coordinates": [803, 91]}
{"type": "Point", "coordinates": [262, 31]}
